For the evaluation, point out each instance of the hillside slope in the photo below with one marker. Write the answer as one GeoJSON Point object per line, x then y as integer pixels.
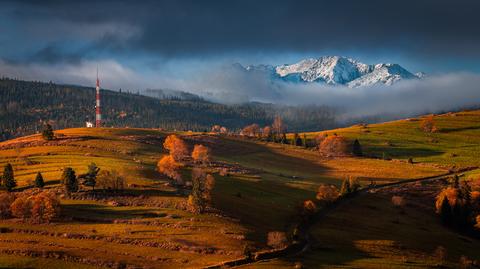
{"type": "Point", "coordinates": [369, 231]}
{"type": "Point", "coordinates": [456, 141]}
{"type": "Point", "coordinates": [276, 179]}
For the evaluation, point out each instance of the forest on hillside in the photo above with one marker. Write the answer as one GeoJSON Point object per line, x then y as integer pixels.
{"type": "Point", "coordinates": [25, 106]}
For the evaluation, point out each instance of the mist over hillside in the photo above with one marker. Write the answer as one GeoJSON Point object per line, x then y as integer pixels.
{"type": "Point", "coordinates": [385, 93]}
{"type": "Point", "coordinates": [25, 106]}
{"type": "Point", "coordinates": [233, 97]}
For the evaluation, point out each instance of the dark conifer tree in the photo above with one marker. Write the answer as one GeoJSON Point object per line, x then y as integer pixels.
{"type": "Point", "coordinates": [456, 182]}
{"type": "Point", "coordinates": [298, 141]}
{"type": "Point", "coordinates": [47, 132]}
{"type": "Point", "coordinates": [8, 178]}
{"type": "Point", "coordinates": [357, 148]}
{"type": "Point", "coordinates": [69, 180]}
{"type": "Point", "coordinates": [91, 176]}
{"type": "Point", "coordinates": [271, 137]}
{"type": "Point", "coordinates": [295, 140]}
{"type": "Point", "coordinates": [446, 212]}
{"type": "Point", "coordinates": [457, 215]}
{"type": "Point", "coordinates": [39, 183]}
{"type": "Point", "coordinates": [466, 211]}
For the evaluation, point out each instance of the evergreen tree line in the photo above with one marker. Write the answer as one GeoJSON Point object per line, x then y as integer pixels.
{"type": "Point", "coordinates": [26, 106]}
{"type": "Point", "coordinates": [69, 179]}
{"type": "Point", "coordinates": [455, 207]}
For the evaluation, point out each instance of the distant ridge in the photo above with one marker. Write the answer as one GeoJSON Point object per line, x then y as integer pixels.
{"type": "Point", "coordinates": [338, 70]}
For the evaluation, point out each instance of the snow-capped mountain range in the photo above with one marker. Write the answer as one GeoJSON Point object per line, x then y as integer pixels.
{"type": "Point", "coordinates": [337, 70]}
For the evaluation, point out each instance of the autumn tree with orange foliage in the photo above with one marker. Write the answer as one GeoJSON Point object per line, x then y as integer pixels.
{"type": "Point", "coordinates": [209, 186]}
{"type": "Point", "coordinates": [334, 145]}
{"type": "Point", "coordinates": [278, 127]}
{"type": "Point", "coordinates": [251, 130]}
{"type": "Point", "coordinates": [111, 180]}
{"type": "Point", "coordinates": [327, 193]}
{"type": "Point", "coordinates": [171, 164]}
{"type": "Point", "coordinates": [309, 207]}
{"type": "Point", "coordinates": [267, 132]}
{"type": "Point", "coordinates": [201, 154]}
{"type": "Point", "coordinates": [319, 139]}
{"type": "Point", "coordinates": [202, 188]}
{"type": "Point", "coordinates": [45, 207]}
{"type": "Point", "coordinates": [476, 200]}
{"type": "Point", "coordinates": [170, 167]}
{"type": "Point", "coordinates": [39, 207]}
{"type": "Point", "coordinates": [277, 239]}
{"type": "Point", "coordinates": [6, 200]}
{"type": "Point", "coordinates": [21, 207]}
{"type": "Point", "coordinates": [176, 146]}
{"type": "Point", "coordinates": [455, 205]}
{"type": "Point", "coordinates": [449, 194]}
{"type": "Point", "coordinates": [428, 124]}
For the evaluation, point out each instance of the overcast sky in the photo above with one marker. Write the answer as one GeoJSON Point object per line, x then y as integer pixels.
{"type": "Point", "coordinates": [147, 44]}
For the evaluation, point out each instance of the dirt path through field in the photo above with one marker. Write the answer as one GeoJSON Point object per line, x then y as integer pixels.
{"type": "Point", "coordinates": [298, 248]}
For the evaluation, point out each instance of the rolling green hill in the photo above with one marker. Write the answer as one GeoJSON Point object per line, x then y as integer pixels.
{"type": "Point", "coordinates": [150, 228]}
{"type": "Point", "coordinates": [456, 141]}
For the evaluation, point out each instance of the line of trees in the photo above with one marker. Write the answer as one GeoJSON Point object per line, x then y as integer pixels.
{"type": "Point", "coordinates": [328, 145]}
{"type": "Point", "coordinates": [35, 206]}
{"type": "Point", "coordinates": [202, 182]}
{"type": "Point", "coordinates": [106, 180]}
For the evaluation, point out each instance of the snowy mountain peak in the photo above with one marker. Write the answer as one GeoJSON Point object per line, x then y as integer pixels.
{"type": "Point", "coordinates": [420, 74]}
{"type": "Point", "coordinates": [338, 70]}
{"type": "Point", "coordinates": [329, 69]}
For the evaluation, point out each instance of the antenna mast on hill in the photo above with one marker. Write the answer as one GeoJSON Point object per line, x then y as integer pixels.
{"type": "Point", "coordinates": [98, 113]}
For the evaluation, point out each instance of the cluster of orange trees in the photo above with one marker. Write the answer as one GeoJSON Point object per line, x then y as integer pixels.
{"type": "Point", "coordinates": [326, 195]}
{"type": "Point", "coordinates": [171, 164]}
{"type": "Point", "coordinates": [35, 206]}
{"type": "Point", "coordinates": [274, 133]}
{"type": "Point", "coordinates": [202, 183]}
{"type": "Point", "coordinates": [331, 146]}
{"type": "Point", "coordinates": [428, 125]}
{"type": "Point", "coordinates": [336, 145]}
{"type": "Point", "coordinates": [458, 205]}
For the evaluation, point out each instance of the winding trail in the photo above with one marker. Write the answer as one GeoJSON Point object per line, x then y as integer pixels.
{"type": "Point", "coordinates": [300, 247]}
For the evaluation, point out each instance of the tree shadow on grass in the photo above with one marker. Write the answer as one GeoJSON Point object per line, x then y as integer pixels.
{"type": "Point", "coordinates": [404, 153]}
{"type": "Point", "coordinates": [100, 213]}
{"type": "Point", "coordinates": [150, 192]}
{"type": "Point", "coordinates": [370, 232]}
{"type": "Point", "coordinates": [47, 185]}
{"type": "Point", "coordinates": [452, 130]}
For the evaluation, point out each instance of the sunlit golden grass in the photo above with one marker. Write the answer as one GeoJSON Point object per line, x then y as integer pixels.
{"type": "Point", "coordinates": [457, 141]}
{"type": "Point", "coordinates": [307, 166]}
{"type": "Point", "coordinates": [265, 199]}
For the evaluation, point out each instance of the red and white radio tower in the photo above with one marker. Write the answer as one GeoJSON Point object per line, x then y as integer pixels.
{"type": "Point", "coordinates": [98, 113]}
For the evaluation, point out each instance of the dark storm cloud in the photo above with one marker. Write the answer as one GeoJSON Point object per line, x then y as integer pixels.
{"type": "Point", "coordinates": [50, 54]}
{"type": "Point", "coordinates": [426, 28]}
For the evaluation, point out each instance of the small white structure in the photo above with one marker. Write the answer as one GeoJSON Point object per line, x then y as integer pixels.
{"type": "Point", "coordinates": [89, 124]}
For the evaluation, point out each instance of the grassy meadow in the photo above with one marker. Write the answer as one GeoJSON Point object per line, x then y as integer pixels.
{"type": "Point", "coordinates": [456, 142]}
{"type": "Point", "coordinates": [159, 234]}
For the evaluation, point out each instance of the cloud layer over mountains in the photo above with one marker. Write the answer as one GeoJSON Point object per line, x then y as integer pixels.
{"type": "Point", "coordinates": [183, 44]}
{"type": "Point", "coordinates": [231, 84]}
{"type": "Point", "coordinates": [402, 99]}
